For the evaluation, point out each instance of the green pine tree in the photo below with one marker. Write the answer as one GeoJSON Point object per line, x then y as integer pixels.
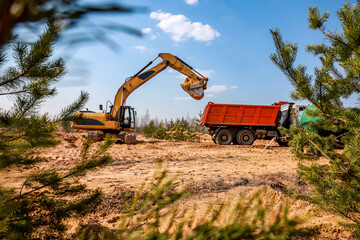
{"type": "Point", "coordinates": [160, 132]}
{"type": "Point", "coordinates": [150, 129]}
{"type": "Point", "coordinates": [336, 184]}
{"type": "Point", "coordinates": [41, 207]}
{"type": "Point", "coordinates": [29, 84]}
{"type": "Point", "coordinates": [198, 129]}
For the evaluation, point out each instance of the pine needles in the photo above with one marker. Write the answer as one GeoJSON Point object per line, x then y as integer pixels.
{"type": "Point", "coordinates": [337, 183]}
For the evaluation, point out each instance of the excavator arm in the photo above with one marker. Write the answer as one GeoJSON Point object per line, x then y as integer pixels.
{"type": "Point", "coordinates": [194, 84]}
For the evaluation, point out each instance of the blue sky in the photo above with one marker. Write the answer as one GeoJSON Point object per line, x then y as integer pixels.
{"type": "Point", "coordinates": [229, 40]}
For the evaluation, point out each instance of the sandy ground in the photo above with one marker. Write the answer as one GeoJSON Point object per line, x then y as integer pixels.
{"type": "Point", "coordinates": [211, 172]}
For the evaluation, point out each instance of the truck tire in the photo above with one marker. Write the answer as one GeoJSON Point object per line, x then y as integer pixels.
{"type": "Point", "coordinates": [223, 137]}
{"type": "Point", "coordinates": [245, 137]}
{"type": "Point", "coordinates": [283, 144]}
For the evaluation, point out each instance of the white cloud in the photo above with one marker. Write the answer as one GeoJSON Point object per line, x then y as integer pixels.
{"type": "Point", "coordinates": [181, 76]}
{"type": "Point", "coordinates": [141, 48]}
{"type": "Point", "coordinates": [234, 87]}
{"type": "Point", "coordinates": [210, 95]}
{"type": "Point", "coordinates": [205, 73]}
{"type": "Point", "coordinates": [144, 49]}
{"type": "Point", "coordinates": [149, 33]}
{"type": "Point", "coordinates": [181, 28]}
{"type": "Point", "coordinates": [216, 88]}
{"type": "Point", "coordinates": [182, 98]}
{"type": "Point", "coordinates": [145, 30]}
{"type": "Point", "coordinates": [192, 2]}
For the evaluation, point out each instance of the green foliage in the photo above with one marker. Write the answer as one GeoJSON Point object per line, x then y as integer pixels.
{"type": "Point", "coordinates": [315, 20]}
{"type": "Point", "coordinates": [155, 212]}
{"type": "Point", "coordinates": [43, 205]}
{"type": "Point", "coordinates": [197, 125]}
{"type": "Point", "coordinates": [178, 130]}
{"type": "Point", "coordinates": [34, 72]}
{"type": "Point", "coordinates": [337, 183]}
{"type": "Point", "coordinates": [29, 84]}
{"type": "Point", "coordinates": [150, 129]}
{"type": "Point", "coordinates": [148, 209]}
{"type": "Point", "coordinates": [41, 211]}
{"type": "Point", "coordinates": [41, 208]}
{"type": "Point", "coordinates": [24, 13]}
{"type": "Point", "coordinates": [254, 218]}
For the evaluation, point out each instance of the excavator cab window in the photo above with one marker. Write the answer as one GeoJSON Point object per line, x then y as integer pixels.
{"type": "Point", "coordinates": [127, 118]}
{"type": "Point", "coordinates": [133, 113]}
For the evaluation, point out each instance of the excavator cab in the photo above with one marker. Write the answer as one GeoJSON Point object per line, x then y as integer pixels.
{"type": "Point", "coordinates": [127, 118]}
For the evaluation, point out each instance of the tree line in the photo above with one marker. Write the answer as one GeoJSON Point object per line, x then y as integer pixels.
{"type": "Point", "coordinates": [180, 129]}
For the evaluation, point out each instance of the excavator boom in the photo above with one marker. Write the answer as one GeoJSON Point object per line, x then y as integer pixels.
{"type": "Point", "coordinates": [194, 84]}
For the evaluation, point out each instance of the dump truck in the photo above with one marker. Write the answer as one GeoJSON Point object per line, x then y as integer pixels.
{"type": "Point", "coordinates": [243, 124]}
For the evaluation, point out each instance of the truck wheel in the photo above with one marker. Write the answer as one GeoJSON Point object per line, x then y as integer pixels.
{"type": "Point", "coordinates": [245, 137]}
{"type": "Point", "coordinates": [224, 137]}
{"type": "Point", "coordinates": [283, 144]}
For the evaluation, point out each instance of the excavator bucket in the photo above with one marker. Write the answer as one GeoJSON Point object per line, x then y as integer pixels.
{"type": "Point", "coordinates": [195, 87]}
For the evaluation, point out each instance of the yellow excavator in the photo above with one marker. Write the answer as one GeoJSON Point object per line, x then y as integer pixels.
{"type": "Point", "coordinates": [120, 118]}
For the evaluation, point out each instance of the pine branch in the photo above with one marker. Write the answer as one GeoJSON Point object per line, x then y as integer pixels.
{"type": "Point", "coordinates": [337, 183]}
{"type": "Point", "coordinates": [15, 78]}
{"type": "Point", "coordinates": [16, 92]}
{"type": "Point", "coordinates": [67, 112]}
{"type": "Point", "coordinates": [315, 145]}
{"type": "Point", "coordinates": [70, 208]}
{"type": "Point", "coordinates": [96, 160]}
{"type": "Point", "coordinates": [335, 39]}
{"type": "Point", "coordinates": [284, 62]}
{"type": "Point", "coordinates": [24, 107]}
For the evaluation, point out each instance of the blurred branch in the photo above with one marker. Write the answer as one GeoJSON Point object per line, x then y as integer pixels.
{"type": "Point", "coordinates": [14, 13]}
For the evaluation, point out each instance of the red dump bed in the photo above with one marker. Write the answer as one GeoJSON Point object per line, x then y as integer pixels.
{"type": "Point", "coordinates": [240, 115]}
